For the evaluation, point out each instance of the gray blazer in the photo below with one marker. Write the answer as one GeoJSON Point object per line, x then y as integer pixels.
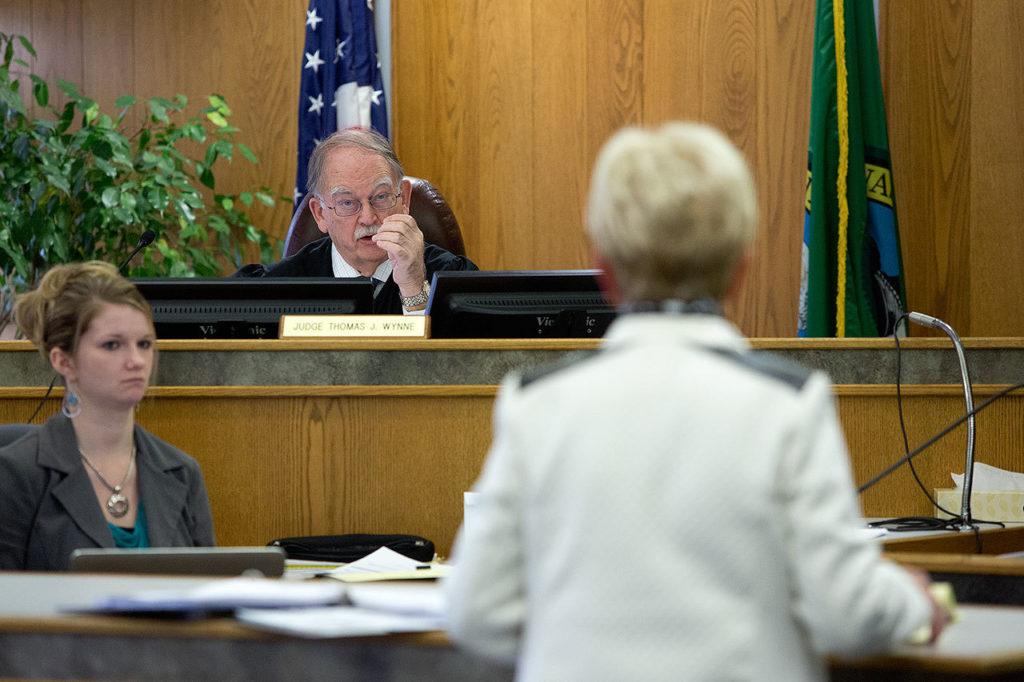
{"type": "Point", "coordinates": [48, 507]}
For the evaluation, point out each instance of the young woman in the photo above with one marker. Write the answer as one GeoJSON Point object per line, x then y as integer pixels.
{"type": "Point", "coordinates": [90, 476]}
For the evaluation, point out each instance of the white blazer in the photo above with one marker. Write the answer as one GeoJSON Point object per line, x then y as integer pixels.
{"type": "Point", "coordinates": [672, 508]}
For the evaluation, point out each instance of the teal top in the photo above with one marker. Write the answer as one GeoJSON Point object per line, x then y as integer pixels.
{"type": "Point", "coordinates": [135, 538]}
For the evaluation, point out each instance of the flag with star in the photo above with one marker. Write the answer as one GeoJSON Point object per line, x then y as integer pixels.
{"type": "Point", "coordinates": [341, 82]}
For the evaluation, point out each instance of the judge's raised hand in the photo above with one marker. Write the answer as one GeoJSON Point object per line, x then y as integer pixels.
{"type": "Point", "coordinates": [400, 237]}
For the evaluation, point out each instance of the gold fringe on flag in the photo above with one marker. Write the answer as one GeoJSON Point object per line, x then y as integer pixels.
{"type": "Point", "coordinates": [843, 116]}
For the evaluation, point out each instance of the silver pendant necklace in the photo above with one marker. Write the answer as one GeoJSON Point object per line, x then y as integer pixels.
{"type": "Point", "coordinates": [117, 504]}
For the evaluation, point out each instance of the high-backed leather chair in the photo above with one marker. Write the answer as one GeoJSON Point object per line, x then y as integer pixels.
{"type": "Point", "coordinates": [430, 210]}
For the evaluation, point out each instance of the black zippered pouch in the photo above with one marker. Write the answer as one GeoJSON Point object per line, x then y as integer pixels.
{"type": "Point", "coordinates": [353, 546]}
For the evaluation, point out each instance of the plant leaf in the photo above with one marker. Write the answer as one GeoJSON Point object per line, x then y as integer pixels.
{"type": "Point", "coordinates": [25, 43]}
{"type": "Point", "coordinates": [158, 111]}
{"type": "Point", "coordinates": [40, 90]}
{"type": "Point", "coordinates": [218, 102]}
{"type": "Point", "coordinates": [206, 177]}
{"type": "Point", "coordinates": [217, 118]}
{"type": "Point", "coordinates": [247, 153]}
{"type": "Point", "coordinates": [69, 89]}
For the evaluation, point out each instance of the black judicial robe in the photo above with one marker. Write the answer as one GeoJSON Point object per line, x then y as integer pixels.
{"type": "Point", "coordinates": [314, 260]}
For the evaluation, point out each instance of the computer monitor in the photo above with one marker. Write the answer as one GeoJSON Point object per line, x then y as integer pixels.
{"type": "Point", "coordinates": [518, 304]}
{"type": "Point", "coordinates": [247, 308]}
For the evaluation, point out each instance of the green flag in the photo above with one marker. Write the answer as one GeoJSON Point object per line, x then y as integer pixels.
{"type": "Point", "coordinates": [852, 273]}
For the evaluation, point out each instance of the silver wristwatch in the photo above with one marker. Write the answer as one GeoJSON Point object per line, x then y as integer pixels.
{"type": "Point", "coordinates": [419, 299]}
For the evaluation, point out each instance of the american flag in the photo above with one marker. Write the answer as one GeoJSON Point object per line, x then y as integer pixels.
{"type": "Point", "coordinates": [341, 80]}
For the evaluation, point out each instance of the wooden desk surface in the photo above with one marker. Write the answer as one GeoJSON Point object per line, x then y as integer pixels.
{"type": "Point", "coordinates": [38, 639]}
{"type": "Point", "coordinates": [991, 541]}
{"type": "Point", "coordinates": [986, 640]}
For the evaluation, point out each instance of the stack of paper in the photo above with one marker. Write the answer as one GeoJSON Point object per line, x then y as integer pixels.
{"type": "Point", "coordinates": [338, 621]}
{"type": "Point", "coordinates": [420, 598]}
{"type": "Point", "coordinates": [378, 608]}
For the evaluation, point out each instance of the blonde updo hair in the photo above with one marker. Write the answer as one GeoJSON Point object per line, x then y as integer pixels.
{"type": "Point", "coordinates": [68, 299]}
{"type": "Point", "coordinates": [672, 211]}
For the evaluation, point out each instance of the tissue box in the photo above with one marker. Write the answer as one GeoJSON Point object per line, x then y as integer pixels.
{"type": "Point", "coordinates": [985, 505]}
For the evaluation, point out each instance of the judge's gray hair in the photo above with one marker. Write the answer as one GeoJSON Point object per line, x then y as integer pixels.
{"type": "Point", "coordinates": [361, 138]}
{"type": "Point", "coordinates": [672, 211]}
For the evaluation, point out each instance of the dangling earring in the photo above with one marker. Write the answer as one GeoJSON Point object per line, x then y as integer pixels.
{"type": "Point", "coordinates": [71, 407]}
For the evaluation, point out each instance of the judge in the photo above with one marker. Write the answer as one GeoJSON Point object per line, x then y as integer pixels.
{"type": "Point", "coordinates": [360, 200]}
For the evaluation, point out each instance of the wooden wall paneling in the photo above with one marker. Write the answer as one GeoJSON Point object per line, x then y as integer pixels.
{"type": "Point", "coordinates": [561, 164]}
{"type": "Point", "coordinates": [435, 103]}
{"type": "Point", "coordinates": [998, 435]}
{"type": "Point", "coordinates": [16, 17]}
{"type": "Point", "coordinates": [614, 77]}
{"type": "Point", "coordinates": [996, 164]}
{"type": "Point", "coordinates": [729, 97]}
{"type": "Point", "coordinates": [415, 36]}
{"type": "Point", "coordinates": [785, 36]}
{"type": "Point", "coordinates": [673, 75]}
{"type": "Point", "coordinates": [390, 460]}
{"type": "Point", "coordinates": [505, 133]}
{"type": "Point", "coordinates": [723, 63]}
{"type": "Point", "coordinates": [460, 155]}
{"type": "Point", "coordinates": [108, 55]}
{"type": "Point", "coordinates": [927, 87]}
{"type": "Point", "coordinates": [294, 465]}
{"type": "Point", "coordinates": [57, 37]}
{"type": "Point", "coordinates": [729, 70]}
{"type": "Point", "coordinates": [871, 425]}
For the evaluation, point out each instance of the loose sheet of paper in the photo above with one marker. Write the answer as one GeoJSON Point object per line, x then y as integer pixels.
{"type": "Point", "coordinates": [387, 564]}
{"type": "Point", "coordinates": [990, 478]}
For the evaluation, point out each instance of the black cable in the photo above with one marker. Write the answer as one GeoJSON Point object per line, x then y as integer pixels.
{"type": "Point", "coordinates": [42, 401]}
{"type": "Point", "coordinates": [903, 423]}
{"type": "Point", "coordinates": [938, 436]}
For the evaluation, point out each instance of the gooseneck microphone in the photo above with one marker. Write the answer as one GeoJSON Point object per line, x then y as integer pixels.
{"type": "Point", "coordinates": [145, 240]}
{"type": "Point", "coordinates": [966, 523]}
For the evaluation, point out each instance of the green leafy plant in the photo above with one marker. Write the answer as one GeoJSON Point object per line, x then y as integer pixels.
{"type": "Point", "coordinates": [78, 184]}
